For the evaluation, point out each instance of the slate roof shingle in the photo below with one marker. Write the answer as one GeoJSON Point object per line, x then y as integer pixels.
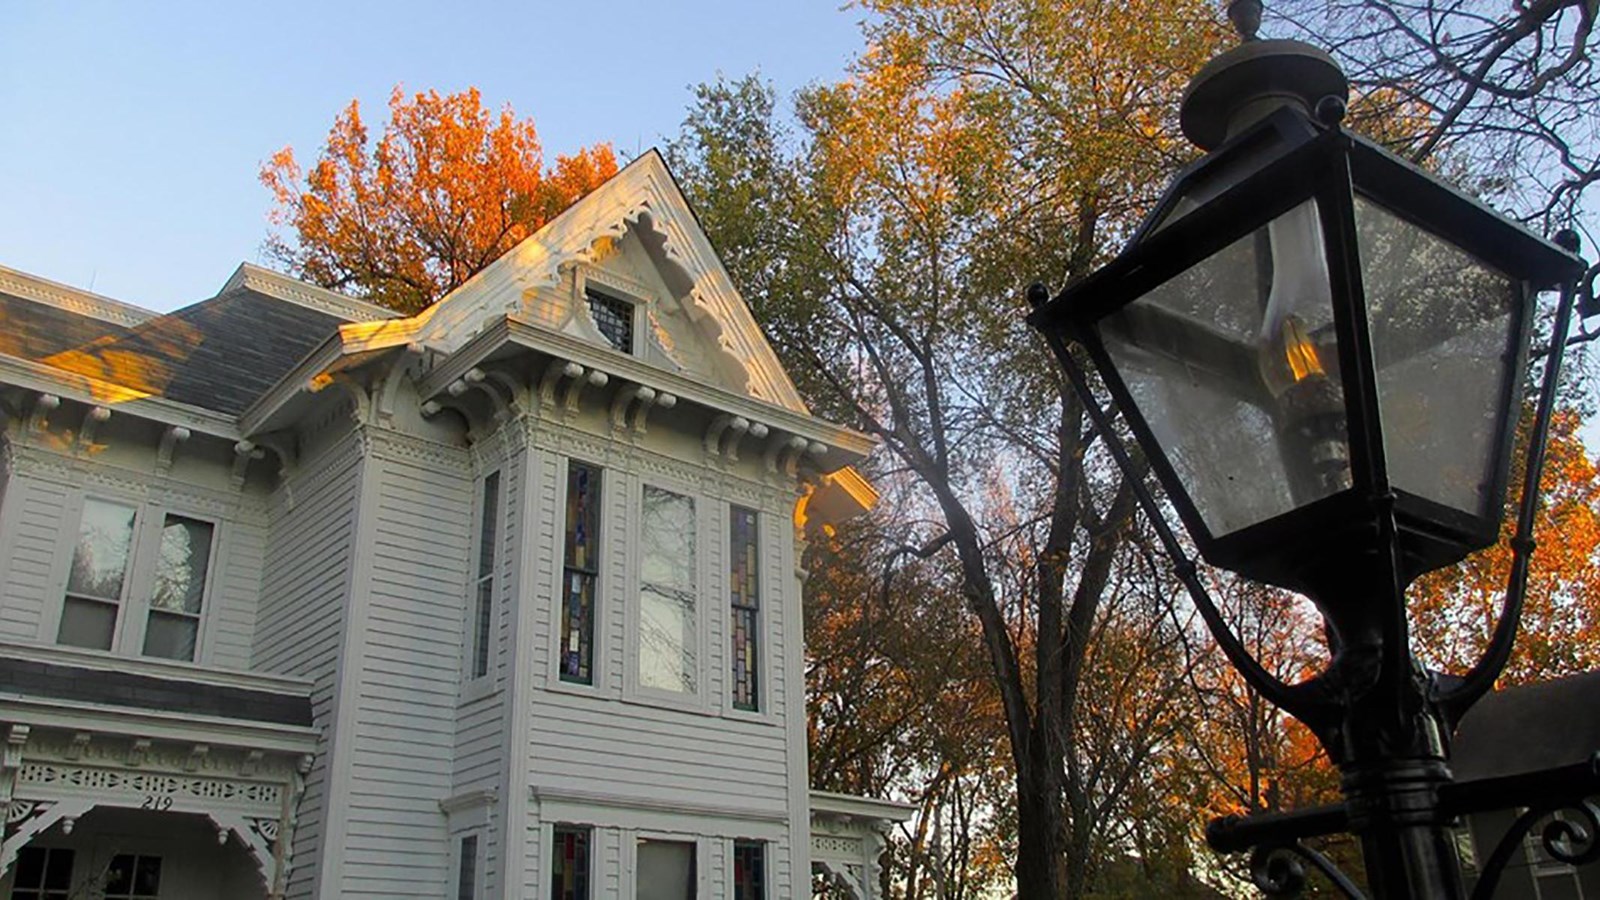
{"type": "Point", "coordinates": [220, 354]}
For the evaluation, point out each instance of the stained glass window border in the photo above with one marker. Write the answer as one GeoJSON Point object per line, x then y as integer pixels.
{"type": "Point", "coordinates": [577, 887]}
{"type": "Point", "coordinates": [749, 875]}
{"type": "Point", "coordinates": [578, 593]}
{"type": "Point", "coordinates": [744, 600]}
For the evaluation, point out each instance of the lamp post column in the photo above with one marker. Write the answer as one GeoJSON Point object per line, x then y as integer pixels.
{"type": "Point", "coordinates": [1391, 782]}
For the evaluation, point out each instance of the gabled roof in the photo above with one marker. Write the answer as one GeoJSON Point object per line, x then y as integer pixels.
{"type": "Point", "coordinates": [642, 195]}
{"type": "Point", "coordinates": [218, 355]}
{"type": "Point", "coordinates": [234, 364]}
{"type": "Point", "coordinates": [76, 301]}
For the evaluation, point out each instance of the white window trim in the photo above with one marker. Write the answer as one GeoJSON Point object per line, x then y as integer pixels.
{"type": "Point", "coordinates": [547, 844]}
{"type": "Point", "coordinates": [766, 863]}
{"type": "Point", "coordinates": [598, 657]}
{"type": "Point", "coordinates": [468, 814]}
{"type": "Point", "coordinates": [765, 599]}
{"type": "Point", "coordinates": [630, 858]}
{"type": "Point", "coordinates": [617, 287]}
{"type": "Point", "coordinates": [474, 686]}
{"type": "Point", "coordinates": [133, 608]}
{"type": "Point", "coordinates": [704, 519]}
{"type": "Point", "coordinates": [479, 857]}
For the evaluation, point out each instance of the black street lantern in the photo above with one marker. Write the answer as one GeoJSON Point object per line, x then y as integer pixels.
{"type": "Point", "coordinates": [1320, 349]}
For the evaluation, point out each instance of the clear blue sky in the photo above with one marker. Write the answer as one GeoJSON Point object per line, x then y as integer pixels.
{"type": "Point", "coordinates": [131, 133]}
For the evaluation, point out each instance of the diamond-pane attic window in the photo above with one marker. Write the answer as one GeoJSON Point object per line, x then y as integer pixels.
{"type": "Point", "coordinates": [614, 318]}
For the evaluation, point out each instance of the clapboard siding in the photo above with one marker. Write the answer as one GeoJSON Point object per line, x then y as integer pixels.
{"type": "Point", "coordinates": [32, 517]}
{"type": "Point", "coordinates": [300, 622]}
{"type": "Point", "coordinates": [401, 759]}
{"type": "Point", "coordinates": [236, 589]}
{"type": "Point", "coordinates": [477, 747]}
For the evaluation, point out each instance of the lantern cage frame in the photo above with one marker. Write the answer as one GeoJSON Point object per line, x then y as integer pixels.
{"type": "Point", "coordinates": [1384, 721]}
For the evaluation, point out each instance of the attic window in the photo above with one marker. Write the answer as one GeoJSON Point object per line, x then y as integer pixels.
{"type": "Point", "coordinates": [614, 318]}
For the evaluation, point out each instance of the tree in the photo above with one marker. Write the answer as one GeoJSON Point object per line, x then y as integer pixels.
{"type": "Point", "coordinates": [1498, 95]}
{"type": "Point", "coordinates": [1507, 88]}
{"type": "Point", "coordinates": [900, 706]}
{"type": "Point", "coordinates": [1453, 610]}
{"type": "Point", "coordinates": [975, 146]}
{"type": "Point", "coordinates": [446, 190]}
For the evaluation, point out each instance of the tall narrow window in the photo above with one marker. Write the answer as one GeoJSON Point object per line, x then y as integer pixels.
{"type": "Point", "coordinates": [749, 870]}
{"type": "Point", "coordinates": [483, 606]}
{"type": "Point", "coordinates": [467, 869]}
{"type": "Point", "coordinates": [43, 873]}
{"type": "Point", "coordinates": [744, 591]}
{"type": "Point", "coordinates": [569, 863]}
{"type": "Point", "coordinates": [576, 660]}
{"type": "Point", "coordinates": [173, 630]}
{"type": "Point", "coordinates": [99, 569]}
{"type": "Point", "coordinates": [667, 635]}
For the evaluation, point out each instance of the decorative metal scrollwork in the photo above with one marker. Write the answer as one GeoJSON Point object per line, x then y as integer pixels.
{"type": "Point", "coordinates": [1571, 834]}
{"type": "Point", "coordinates": [1279, 870]}
{"type": "Point", "coordinates": [1574, 842]}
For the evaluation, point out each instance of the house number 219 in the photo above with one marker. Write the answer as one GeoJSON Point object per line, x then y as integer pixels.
{"type": "Point", "coordinates": [151, 801]}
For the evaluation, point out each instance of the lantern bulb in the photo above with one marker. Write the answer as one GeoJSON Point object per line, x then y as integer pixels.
{"type": "Point", "coordinates": [1299, 351]}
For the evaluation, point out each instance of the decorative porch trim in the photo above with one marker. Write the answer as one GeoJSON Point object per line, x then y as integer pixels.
{"type": "Point", "coordinates": [26, 818]}
{"type": "Point", "coordinates": [544, 794]}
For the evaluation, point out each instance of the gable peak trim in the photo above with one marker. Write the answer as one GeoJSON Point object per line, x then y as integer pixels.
{"type": "Point", "coordinates": [71, 299]}
{"type": "Point", "coordinates": [292, 290]}
{"type": "Point", "coordinates": [642, 195]}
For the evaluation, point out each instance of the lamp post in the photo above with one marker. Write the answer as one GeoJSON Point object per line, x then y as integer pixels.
{"type": "Point", "coordinates": [1319, 349]}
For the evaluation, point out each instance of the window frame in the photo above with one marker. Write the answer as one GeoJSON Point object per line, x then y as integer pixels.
{"type": "Point", "coordinates": [758, 629]}
{"type": "Point", "coordinates": [474, 684]}
{"type": "Point", "coordinates": [560, 574]}
{"type": "Point", "coordinates": [134, 607]}
{"type": "Point", "coordinates": [131, 894]}
{"type": "Point", "coordinates": [42, 891]}
{"type": "Point", "coordinates": [460, 839]}
{"type": "Point", "coordinates": [551, 833]}
{"type": "Point", "coordinates": [158, 524]}
{"type": "Point", "coordinates": [763, 889]}
{"type": "Point", "coordinates": [634, 690]}
{"type": "Point", "coordinates": [613, 286]}
{"type": "Point", "coordinates": [698, 855]}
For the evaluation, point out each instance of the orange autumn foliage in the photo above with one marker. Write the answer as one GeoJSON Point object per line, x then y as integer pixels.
{"type": "Point", "coordinates": [447, 189]}
{"type": "Point", "coordinates": [1453, 610]}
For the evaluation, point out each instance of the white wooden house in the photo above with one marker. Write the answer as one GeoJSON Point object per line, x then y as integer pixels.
{"type": "Point", "coordinates": [302, 598]}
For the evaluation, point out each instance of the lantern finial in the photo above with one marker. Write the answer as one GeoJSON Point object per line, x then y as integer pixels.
{"type": "Point", "coordinates": [1246, 18]}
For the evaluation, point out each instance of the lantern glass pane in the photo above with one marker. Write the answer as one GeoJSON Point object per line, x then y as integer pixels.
{"type": "Point", "coordinates": [1443, 326]}
{"type": "Point", "coordinates": [1234, 365]}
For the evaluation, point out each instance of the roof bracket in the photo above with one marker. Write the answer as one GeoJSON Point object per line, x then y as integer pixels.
{"type": "Point", "coordinates": [92, 419]}
{"type": "Point", "coordinates": [170, 439]}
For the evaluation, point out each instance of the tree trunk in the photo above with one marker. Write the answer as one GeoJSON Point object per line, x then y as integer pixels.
{"type": "Point", "coordinates": [1041, 869]}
